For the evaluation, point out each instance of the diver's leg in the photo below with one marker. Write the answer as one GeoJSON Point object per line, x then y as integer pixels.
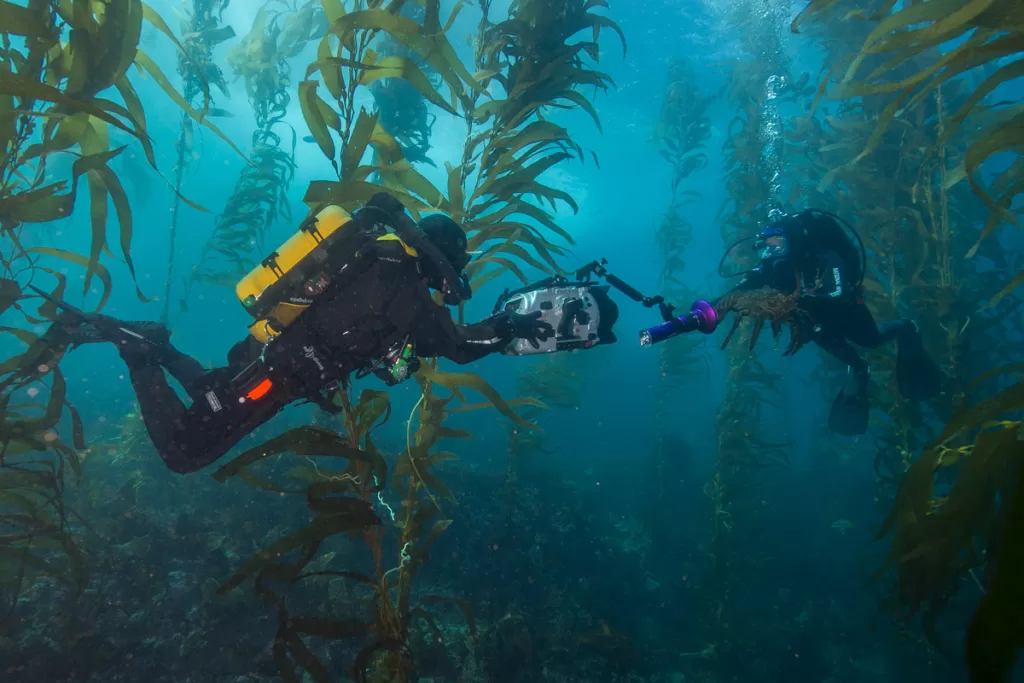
{"type": "Point", "coordinates": [182, 367]}
{"type": "Point", "coordinates": [849, 414]}
{"type": "Point", "coordinates": [840, 349]}
{"type": "Point", "coordinates": [190, 438]}
{"type": "Point", "coordinates": [916, 374]}
{"type": "Point", "coordinates": [859, 326]}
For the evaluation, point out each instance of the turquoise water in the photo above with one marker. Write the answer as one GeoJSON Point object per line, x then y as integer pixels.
{"type": "Point", "coordinates": [596, 557]}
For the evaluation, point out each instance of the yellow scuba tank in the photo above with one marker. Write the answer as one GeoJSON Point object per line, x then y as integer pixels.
{"type": "Point", "coordinates": [286, 283]}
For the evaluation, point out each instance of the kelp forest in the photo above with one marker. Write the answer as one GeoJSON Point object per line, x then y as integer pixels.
{"type": "Point", "coordinates": [610, 514]}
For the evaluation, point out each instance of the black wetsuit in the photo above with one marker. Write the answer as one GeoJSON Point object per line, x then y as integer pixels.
{"type": "Point", "coordinates": [345, 330]}
{"type": "Point", "coordinates": [833, 302]}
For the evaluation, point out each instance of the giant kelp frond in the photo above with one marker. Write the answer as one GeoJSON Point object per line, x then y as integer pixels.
{"type": "Point", "coordinates": [996, 633]}
{"type": "Point", "coordinates": [899, 60]}
{"type": "Point", "coordinates": [545, 68]}
{"type": "Point", "coordinates": [533, 58]}
{"type": "Point", "coordinates": [201, 32]}
{"type": "Point", "coordinates": [503, 162]}
{"type": "Point", "coordinates": [339, 500]}
{"type": "Point", "coordinates": [260, 195]}
{"type": "Point", "coordinates": [509, 143]}
{"type": "Point", "coordinates": [681, 132]}
{"type": "Point", "coordinates": [258, 199]}
{"type": "Point", "coordinates": [908, 196]}
{"type": "Point", "coordinates": [938, 539]}
{"type": "Point", "coordinates": [36, 526]}
{"type": "Point", "coordinates": [51, 103]}
{"type": "Point", "coordinates": [401, 107]}
{"type": "Point", "coordinates": [756, 178]}
{"type": "Point", "coordinates": [353, 500]}
{"type": "Point", "coordinates": [59, 65]}
{"type": "Point", "coordinates": [683, 126]}
{"type": "Point", "coordinates": [346, 61]}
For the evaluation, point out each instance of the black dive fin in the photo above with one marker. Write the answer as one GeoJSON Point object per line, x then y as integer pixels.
{"type": "Point", "coordinates": [849, 414]}
{"type": "Point", "coordinates": [110, 329]}
{"type": "Point", "coordinates": [917, 375]}
{"type": "Point", "coordinates": [77, 312]}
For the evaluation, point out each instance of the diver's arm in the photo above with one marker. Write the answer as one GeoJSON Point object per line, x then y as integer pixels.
{"type": "Point", "coordinates": [755, 279]}
{"type": "Point", "coordinates": [436, 334]}
{"type": "Point", "coordinates": [439, 335]}
{"type": "Point", "coordinates": [832, 278]}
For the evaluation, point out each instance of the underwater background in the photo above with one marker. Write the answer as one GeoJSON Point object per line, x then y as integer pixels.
{"type": "Point", "coordinates": [666, 514]}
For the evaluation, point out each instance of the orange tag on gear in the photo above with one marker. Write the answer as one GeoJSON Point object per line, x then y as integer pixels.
{"type": "Point", "coordinates": [260, 390]}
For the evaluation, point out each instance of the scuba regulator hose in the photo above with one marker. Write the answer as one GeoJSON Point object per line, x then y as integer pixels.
{"type": "Point", "coordinates": [456, 286]}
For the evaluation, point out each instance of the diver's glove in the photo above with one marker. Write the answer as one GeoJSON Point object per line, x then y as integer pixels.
{"type": "Point", "coordinates": [529, 327]}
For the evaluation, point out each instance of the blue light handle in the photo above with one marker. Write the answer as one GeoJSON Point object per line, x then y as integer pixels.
{"type": "Point", "coordinates": [702, 316]}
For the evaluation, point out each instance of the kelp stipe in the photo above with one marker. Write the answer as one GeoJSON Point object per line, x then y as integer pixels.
{"type": "Point", "coordinates": [988, 34]}
{"type": "Point", "coordinates": [260, 196]}
{"type": "Point", "coordinates": [401, 108]}
{"type": "Point", "coordinates": [754, 152]}
{"type": "Point", "coordinates": [202, 31]}
{"type": "Point", "coordinates": [339, 501]}
{"type": "Point", "coordinates": [682, 130]}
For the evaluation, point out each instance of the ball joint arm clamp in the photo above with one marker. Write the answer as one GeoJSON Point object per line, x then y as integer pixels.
{"type": "Point", "coordinates": [598, 268]}
{"type": "Point", "coordinates": [702, 315]}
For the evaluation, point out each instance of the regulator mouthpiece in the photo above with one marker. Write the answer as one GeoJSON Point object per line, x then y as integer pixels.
{"type": "Point", "coordinates": [702, 317]}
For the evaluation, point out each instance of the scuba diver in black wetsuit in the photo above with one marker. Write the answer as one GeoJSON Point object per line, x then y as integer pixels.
{"type": "Point", "coordinates": [811, 250]}
{"type": "Point", "coordinates": [342, 296]}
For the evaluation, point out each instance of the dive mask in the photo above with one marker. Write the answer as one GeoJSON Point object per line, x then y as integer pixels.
{"type": "Point", "coordinates": [772, 244]}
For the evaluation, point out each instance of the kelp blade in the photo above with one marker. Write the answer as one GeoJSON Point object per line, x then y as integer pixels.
{"type": "Point", "coordinates": [996, 633]}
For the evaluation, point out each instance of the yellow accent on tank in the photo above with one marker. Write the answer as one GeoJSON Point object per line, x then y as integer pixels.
{"type": "Point", "coordinates": [255, 284]}
{"type": "Point", "coordinates": [291, 252]}
{"type": "Point", "coordinates": [284, 313]}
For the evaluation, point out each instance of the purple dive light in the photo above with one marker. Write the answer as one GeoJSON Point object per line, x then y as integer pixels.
{"type": "Point", "coordinates": [702, 316]}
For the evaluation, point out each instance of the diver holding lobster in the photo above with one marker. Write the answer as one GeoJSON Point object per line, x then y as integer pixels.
{"type": "Point", "coordinates": [811, 254]}
{"type": "Point", "coordinates": [820, 257]}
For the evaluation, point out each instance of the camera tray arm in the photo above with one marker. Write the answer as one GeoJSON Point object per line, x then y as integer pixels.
{"type": "Point", "coordinates": [598, 268]}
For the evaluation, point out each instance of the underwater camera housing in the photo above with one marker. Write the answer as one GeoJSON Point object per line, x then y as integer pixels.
{"type": "Point", "coordinates": [581, 313]}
